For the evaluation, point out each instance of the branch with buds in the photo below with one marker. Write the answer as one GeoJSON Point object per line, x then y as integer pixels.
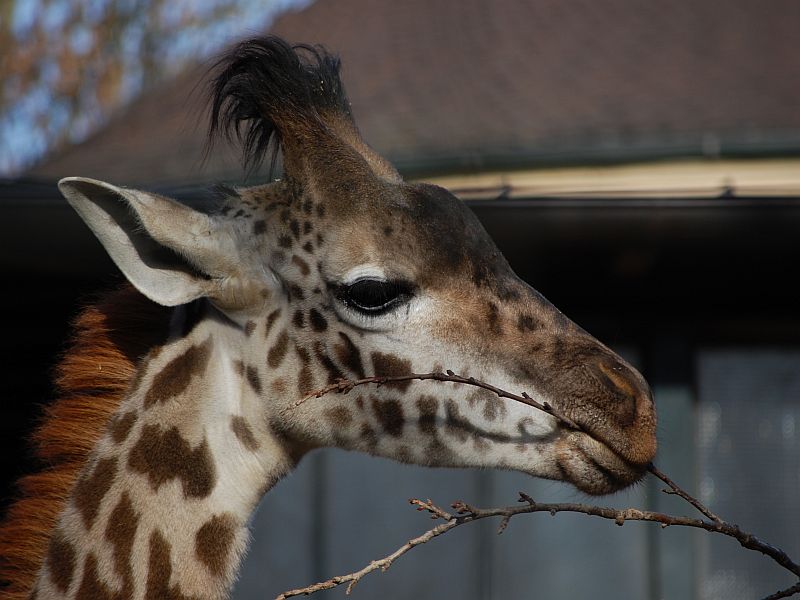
{"type": "Point", "coordinates": [466, 513]}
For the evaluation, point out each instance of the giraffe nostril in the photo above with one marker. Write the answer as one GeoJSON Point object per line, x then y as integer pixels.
{"type": "Point", "coordinates": [628, 392]}
{"type": "Point", "coordinates": [629, 404]}
{"type": "Point", "coordinates": [618, 375]}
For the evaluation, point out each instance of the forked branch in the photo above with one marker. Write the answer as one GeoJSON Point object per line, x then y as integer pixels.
{"type": "Point", "coordinates": [466, 513]}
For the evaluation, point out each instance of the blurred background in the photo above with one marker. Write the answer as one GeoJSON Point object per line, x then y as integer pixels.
{"type": "Point", "coordinates": [638, 163]}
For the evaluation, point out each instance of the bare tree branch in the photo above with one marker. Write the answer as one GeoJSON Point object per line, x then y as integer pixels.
{"type": "Point", "coordinates": [351, 579]}
{"type": "Point", "coordinates": [679, 492]}
{"type": "Point", "coordinates": [466, 513]}
{"type": "Point", "coordinates": [790, 591]}
{"type": "Point", "coordinates": [619, 516]}
{"type": "Point", "coordinates": [344, 386]}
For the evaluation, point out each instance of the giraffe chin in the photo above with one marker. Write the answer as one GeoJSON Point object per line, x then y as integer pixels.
{"type": "Point", "coordinates": [593, 467]}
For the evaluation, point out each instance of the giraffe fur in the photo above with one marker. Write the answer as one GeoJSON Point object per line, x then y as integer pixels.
{"type": "Point", "coordinates": [340, 269]}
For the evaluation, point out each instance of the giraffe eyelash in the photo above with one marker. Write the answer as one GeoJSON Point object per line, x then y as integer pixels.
{"type": "Point", "coordinates": [372, 296]}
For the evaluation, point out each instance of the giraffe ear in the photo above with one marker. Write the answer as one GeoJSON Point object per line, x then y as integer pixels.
{"type": "Point", "coordinates": [168, 251]}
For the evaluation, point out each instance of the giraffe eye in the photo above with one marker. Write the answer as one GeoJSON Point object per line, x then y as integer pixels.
{"type": "Point", "coordinates": [374, 296]}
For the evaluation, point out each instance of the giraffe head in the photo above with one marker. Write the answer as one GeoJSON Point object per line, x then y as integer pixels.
{"type": "Point", "coordinates": [342, 269]}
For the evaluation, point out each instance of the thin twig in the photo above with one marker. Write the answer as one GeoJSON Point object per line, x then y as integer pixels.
{"type": "Point", "coordinates": [466, 513]}
{"type": "Point", "coordinates": [685, 495]}
{"type": "Point", "coordinates": [790, 591]}
{"type": "Point", "coordinates": [351, 579]}
{"type": "Point", "coordinates": [344, 386]}
{"type": "Point", "coordinates": [619, 516]}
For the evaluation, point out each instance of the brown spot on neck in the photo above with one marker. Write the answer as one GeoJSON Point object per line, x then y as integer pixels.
{"type": "Point", "coordinates": [159, 571]}
{"type": "Point", "coordinates": [120, 532]}
{"type": "Point", "coordinates": [305, 378]}
{"type": "Point", "coordinates": [243, 432]}
{"type": "Point", "coordinates": [251, 373]}
{"type": "Point", "coordinates": [214, 542]}
{"type": "Point", "coordinates": [271, 318]}
{"type": "Point", "coordinates": [91, 489]}
{"type": "Point", "coordinates": [91, 586]}
{"type": "Point", "coordinates": [120, 426]}
{"type": "Point", "coordinates": [176, 376]}
{"type": "Point", "coordinates": [278, 350]}
{"type": "Point", "coordinates": [165, 455]}
{"type": "Point", "coordinates": [61, 558]}
{"type": "Point", "coordinates": [249, 328]}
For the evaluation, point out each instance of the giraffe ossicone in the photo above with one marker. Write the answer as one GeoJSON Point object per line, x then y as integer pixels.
{"type": "Point", "coordinates": [339, 269]}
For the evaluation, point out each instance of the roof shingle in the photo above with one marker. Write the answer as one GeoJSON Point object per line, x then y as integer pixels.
{"type": "Point", "coordinates": [442, 85]}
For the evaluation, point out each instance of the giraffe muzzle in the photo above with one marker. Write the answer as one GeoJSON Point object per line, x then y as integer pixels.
{"type": "Point", "coordinates": [613, 405]}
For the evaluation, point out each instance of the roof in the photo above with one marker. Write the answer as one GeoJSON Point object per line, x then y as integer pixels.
{"type": "Point", "coordinates": [451, 85]}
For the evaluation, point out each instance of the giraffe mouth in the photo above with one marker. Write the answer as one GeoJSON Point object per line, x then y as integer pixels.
{"type": "Point", "coordinates": [594, 467]}
{"type": "Point", "coordinates": [612, 405]}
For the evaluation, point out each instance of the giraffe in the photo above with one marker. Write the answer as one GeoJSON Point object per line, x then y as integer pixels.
{"type": "Point", "coordinates": [179, 397]}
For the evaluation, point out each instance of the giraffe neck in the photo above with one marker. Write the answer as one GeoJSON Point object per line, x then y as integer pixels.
{"type": "Point", "coordinates": [161, 507]}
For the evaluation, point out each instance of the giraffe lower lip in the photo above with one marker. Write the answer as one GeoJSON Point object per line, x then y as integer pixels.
{"type": "Point", "coordinates": [593, 467]}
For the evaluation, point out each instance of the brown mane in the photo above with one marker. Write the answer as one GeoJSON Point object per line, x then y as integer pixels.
{"type": "Point", "coordinates": [109, 339]}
